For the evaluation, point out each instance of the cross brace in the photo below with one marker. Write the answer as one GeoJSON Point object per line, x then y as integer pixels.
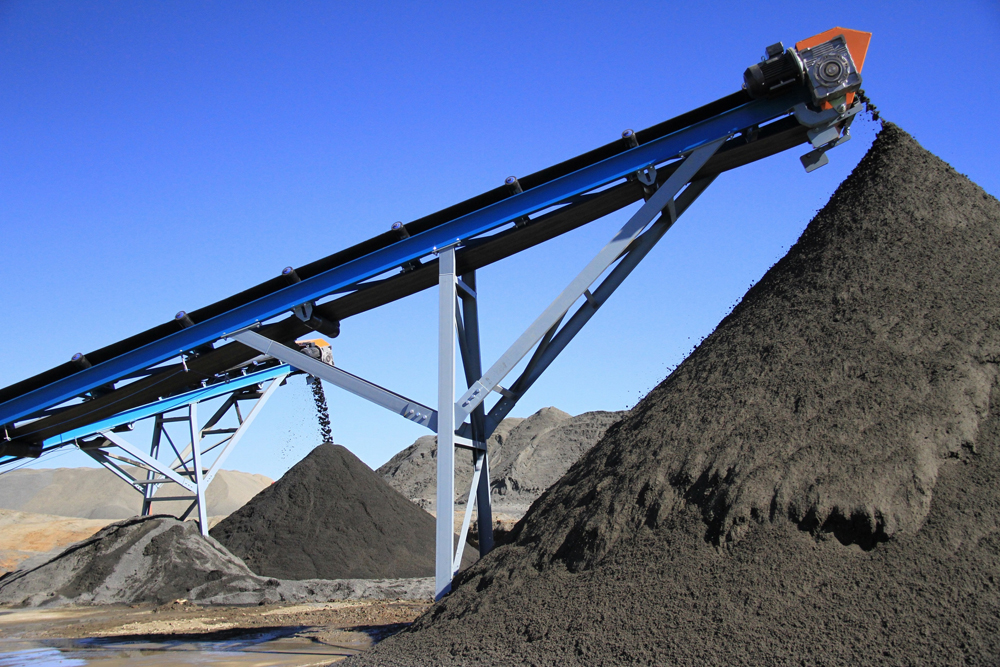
{"type": "Point", "coordinates": [189, 469]}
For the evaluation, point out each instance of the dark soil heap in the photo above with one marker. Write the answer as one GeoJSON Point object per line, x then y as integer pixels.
{"type": "Point", "coordinates": [158, 559]}
{"type": "Point", "coordinates": [331, 517]}
{"type": "Point", "coordinates": [818, 483]}
{"type": "Point", "coordinates": [145, 559]}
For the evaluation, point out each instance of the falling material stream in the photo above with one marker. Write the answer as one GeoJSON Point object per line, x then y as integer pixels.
{"type": "Point", "coordinates": [322, 411]}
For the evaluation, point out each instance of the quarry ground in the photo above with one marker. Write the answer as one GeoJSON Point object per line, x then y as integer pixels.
{"type": "Point", "coordinates": [184, 633]}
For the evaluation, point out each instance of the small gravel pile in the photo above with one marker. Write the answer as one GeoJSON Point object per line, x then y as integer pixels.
{"type": "Point", "coordinates": [159, 559]}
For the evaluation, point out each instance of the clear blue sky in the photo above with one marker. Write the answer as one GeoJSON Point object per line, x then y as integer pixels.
{"type": "Point", "coordinates": [159, 156]}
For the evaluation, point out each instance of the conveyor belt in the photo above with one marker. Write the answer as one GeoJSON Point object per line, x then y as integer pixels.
{"type": "Point", "coordinates": [773, 138]}
{"type": "Point", "coordinates": [377, 243]}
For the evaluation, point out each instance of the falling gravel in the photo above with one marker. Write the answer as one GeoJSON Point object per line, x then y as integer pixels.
{"type": "Point", "coordinates": [322, 411]}
{"type": "Point", "coordinates": [816, 484]}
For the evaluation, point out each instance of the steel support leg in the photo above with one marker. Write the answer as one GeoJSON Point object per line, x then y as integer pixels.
{"type": "Point", "coordinates": [479, 495]}
{"type": "Point", "coordinates": [199, 480]}
{"type": "Point", "coordinates": [154, 451]}
{"type": "Point", "coordinates": [188, 470]}
{"type": "Point", "coordinates": [445, 532]}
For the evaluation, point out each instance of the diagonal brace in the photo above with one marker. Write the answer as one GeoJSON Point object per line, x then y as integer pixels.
{"type": "Point", "coordinates": [660, 201]}
{"type": "Point", "coordinates": [412, 410]}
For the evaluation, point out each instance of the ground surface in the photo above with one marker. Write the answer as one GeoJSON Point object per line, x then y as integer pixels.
{"type": "Point", "coordinates": [312, 634]}
{"type": "Point", "coordinates": [816, 484]}
{"type": "Point", "coordinates": [154, 560]}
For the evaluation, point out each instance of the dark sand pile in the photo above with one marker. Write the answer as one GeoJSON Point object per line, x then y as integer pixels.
{"type": "Point", "coordinates": [159, 559]}
{"type": "Point", "coordinates": [818, 483]}
{"type": "Point", "coordinates": [331, 517]}
{"type": "Point", "coordinates": [526, 457]}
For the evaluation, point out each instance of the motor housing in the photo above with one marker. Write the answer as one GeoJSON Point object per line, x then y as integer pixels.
{"type": "Point", "coordinates": [779, 70]}
{"type": "Point", "coordinates": [826, 69]}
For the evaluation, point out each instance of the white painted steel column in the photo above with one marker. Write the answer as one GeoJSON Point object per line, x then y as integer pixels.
{"type": "Point", "coordinates": [445, 533]}
{"type": "Point", "coordinates": [199, 485]}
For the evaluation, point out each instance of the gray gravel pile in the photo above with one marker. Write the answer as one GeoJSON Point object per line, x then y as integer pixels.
{"type": "Point", "coordinates": [160, 559]}
{"type": "Point", "coordinates": [526, 457]}
{"type": "Point", "coordinates": [816, 484]}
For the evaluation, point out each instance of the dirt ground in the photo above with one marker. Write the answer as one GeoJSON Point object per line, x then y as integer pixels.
{"type": "Point", "coordinates": [185, 633]}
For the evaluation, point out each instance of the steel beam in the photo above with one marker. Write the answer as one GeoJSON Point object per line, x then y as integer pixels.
{"type": "Point", "coordinates": [469, 506]}
{"type": "Point", "coordinates": [244, 426]}
{"type": "Point", "coordinates": [445, 521]}
{"type": "Point", "coordinates": [473, 367]}
{"type": "Point", "coordinates": [405, 407]}
{"type": "Point", "coordinates": [168, 405]}
{"type": "Point", "coordinates": [199, 471]}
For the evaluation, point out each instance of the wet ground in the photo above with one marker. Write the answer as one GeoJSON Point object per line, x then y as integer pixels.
{"type": "Point", "coordinates": [188, 634]}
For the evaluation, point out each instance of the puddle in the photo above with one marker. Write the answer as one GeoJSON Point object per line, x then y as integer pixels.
{"type": "Point", "coordinates": [288, 646]}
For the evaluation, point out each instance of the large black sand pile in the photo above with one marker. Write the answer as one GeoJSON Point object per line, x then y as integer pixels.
{"type": "Point", "coordinates": [159, 559]}
{"type": "Point", "coordinates": [331, 517]}
{"type": "Point", "coordinates": [818, 483]}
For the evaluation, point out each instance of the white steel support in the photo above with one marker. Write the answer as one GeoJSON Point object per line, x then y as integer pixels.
{"type": "Point", "coordinates": [480, 459]}
{"type": "Point", "coordinates": [199, 471]}
{"type": "Point", "coordinates": [405, 407]}
{"type": "Point", "coordinates": [445, 531]}
{"type": "Point", "coordinates": [556, 339]}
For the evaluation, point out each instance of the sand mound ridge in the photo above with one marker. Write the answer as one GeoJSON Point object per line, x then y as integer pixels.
{"type": "Point", "coordinates": [331, 517]}
{"type": "Point", "coordinates": [816, 483]}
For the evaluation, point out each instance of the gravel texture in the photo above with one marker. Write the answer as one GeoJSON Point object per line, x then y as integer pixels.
{"type": "Point", "coordinates": [818, 483]}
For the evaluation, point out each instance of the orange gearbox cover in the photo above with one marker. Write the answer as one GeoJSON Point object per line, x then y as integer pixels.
{"type": "Point", "coordinates": [857, 44]}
